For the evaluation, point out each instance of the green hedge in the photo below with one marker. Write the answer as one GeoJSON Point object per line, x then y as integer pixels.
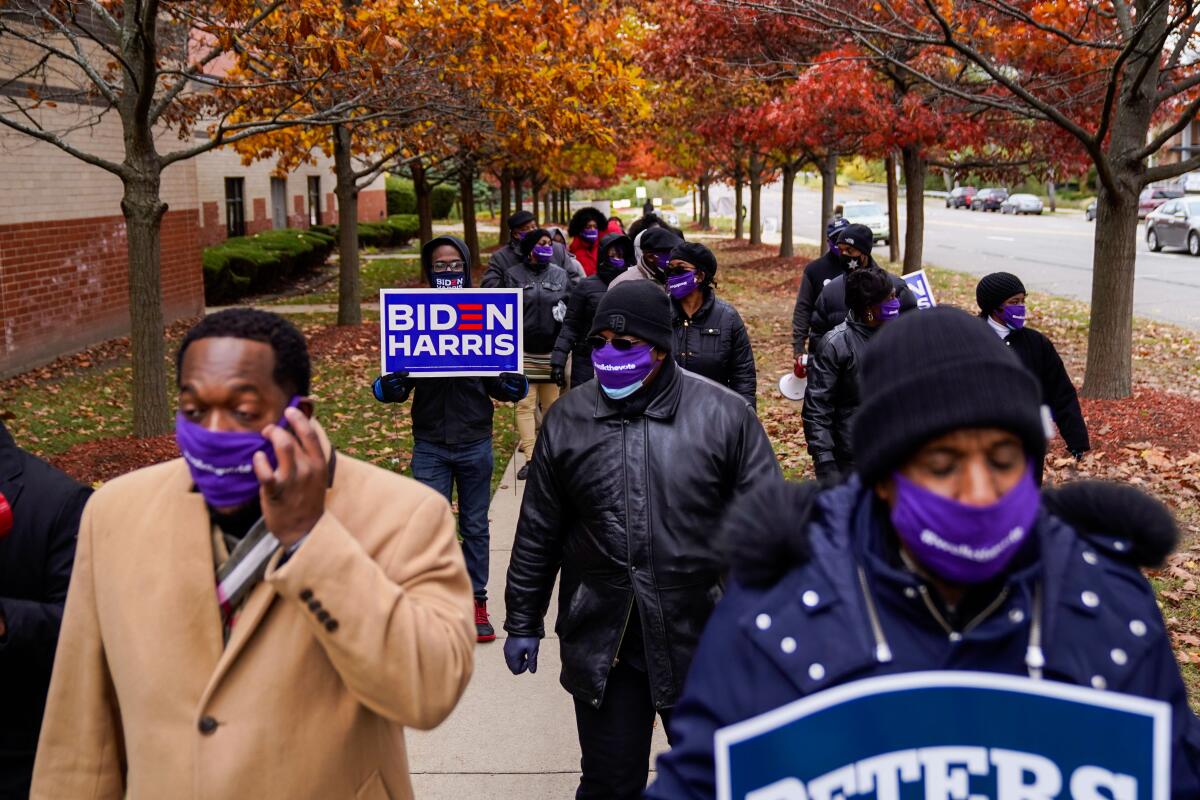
{"type": "Point", "coordinates": [401, 199]}
{"type": "Point", "coordinates": [443, 201]}
{"type": "Point", "coordinates": [246, 264]}
{"type": "Point", "coordinates": [395, 231]}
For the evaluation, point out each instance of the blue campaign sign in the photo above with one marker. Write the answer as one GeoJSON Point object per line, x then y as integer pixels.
{"type": "Point", "coordinates": [918, 284]}
{"type": "Point", "coordinates": [449, 333]}
{"type": "Point", "coordinates": [950, 736]}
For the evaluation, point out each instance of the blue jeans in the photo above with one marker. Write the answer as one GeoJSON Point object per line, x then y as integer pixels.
{"type": "Point", "coordinates": [469, 466]}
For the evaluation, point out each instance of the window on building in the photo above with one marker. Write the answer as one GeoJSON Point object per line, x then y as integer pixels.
{"type": "Point", "coordinates": [279, 213]}
{"type": "Point", "coordinates": [314, 200]}
{"type": "Point", "coordinates": [235, 206]}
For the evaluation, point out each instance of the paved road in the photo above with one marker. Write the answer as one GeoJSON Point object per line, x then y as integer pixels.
{"type": "Point", "coordinates": [1051, 253]}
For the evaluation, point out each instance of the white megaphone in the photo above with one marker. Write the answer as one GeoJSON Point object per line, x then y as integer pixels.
{"type": "Point", "coordinates": [792, 385]}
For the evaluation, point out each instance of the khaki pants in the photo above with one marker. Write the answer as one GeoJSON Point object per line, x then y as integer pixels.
{"type": "Point", "coordinates": [541, 396]}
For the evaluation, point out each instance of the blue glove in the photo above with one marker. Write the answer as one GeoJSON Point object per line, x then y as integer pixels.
{"type": "Point", "coordinates": [520, 653]}
{"type": "Point", "coordinates": [392, 388]}
{"type": "Point", "coordinates": [514, 385]}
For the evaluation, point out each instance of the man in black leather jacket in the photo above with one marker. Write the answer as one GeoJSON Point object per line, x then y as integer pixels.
{"type": "Point", "coordinates": [623, 498]}
{"type": "Point", "coordinates": [831, 399]}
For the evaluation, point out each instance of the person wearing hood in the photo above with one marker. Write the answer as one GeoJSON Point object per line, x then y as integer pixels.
{"type": "Point", "coordinates": [1001, 297]}
{"type": "Point", "coordinates": [544, 289]}
{"type": "Point", "coordinates": [572, 266]}
{"type": "Point", "coordinates": [831, 397]}
{"type": "Point", "coordinates": [616, 255]}
{"type": "Point", "coordinates": [940, 554]}
{"type": "Point", "coordinates": [452, 429]}
{"type": "Point", "coordinates": [854, 249]}
{"type": "Point", "coordinates": [585, 229]}
{"type": "Point", "coordinates": [521, 224]}
{"type": "Point", "coordinates": [653, 248]}
{"type": "Point", "coordinates": [631, 470]}
{"type": "Point", "coordinates": [710, 337]}
{"type": "Point", "coordinates": [817, 274]}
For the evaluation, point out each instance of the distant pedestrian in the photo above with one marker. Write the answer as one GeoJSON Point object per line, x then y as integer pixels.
{"type": "Point", "coordinates": [817, 274]}
{"type": "Point", "coordinates": [653, 249]}
{"type": "Point", "coordinates": [615, 220]}
{"type": "Point", "coordinates": [832, 396]}
{"type": "Point", "coordinates": [585, 229]}
{"type": "Point", "coordinates": [647, 208]}
{"type": "Point", "coordinates": [261, 618]}
{"type": "Point", "coordinates": [631, 470]}
{"type": "Point", "coordinates": [452, 429]}
{"type": "Point", "coordinates": [616, 256]}
{"type": "Point", "coordinates": [508, 256]}
{"type": "Point", "coordinates": [1002, 302]}
{"type": "Point", "coordinates": [710, 337]}
{"type": "Point", "coordinates": [40, 508]}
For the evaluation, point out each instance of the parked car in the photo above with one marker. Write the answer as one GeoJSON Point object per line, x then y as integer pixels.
{"type": "Point", "coordinates": [1021, 204]}
{"type": "Point", "coordinates": [1154, 196]}
{"type": "Point", "coordinates": [1175, 223]}
{"type": "Point", "coordinates": [989, 199]}
{"type": "Point", "coordinates": [960, 197]}
{"type": "Point", "coordinates": [871, 214]}
{"type": "Point", "coordinates": [1089, 213]}
{"type": "Point", "coordinates": [1190, 183]}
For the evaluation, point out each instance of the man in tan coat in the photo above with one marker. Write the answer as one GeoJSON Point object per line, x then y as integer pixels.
{"type": "Point", "coordinates": [262, 618]}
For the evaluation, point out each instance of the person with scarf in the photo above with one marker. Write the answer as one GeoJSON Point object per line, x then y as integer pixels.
{"type": "Point", "coordinates": [939, 554]}
{"type": "Point", "coordinates": [586, 227]}
{"type": "Point", "coordinates": [630, 472]}
{"type": "Point", "coordinates": [263, 596]}
{"type": "Point", "coordinates": [616, 255]}
{"type": "Point", "coordinates": [710, 337]}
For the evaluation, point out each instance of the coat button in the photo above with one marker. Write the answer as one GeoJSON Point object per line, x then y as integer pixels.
{"type": "Point", "coordinates": [322, 616]}
{"type": "Point", "coordinates": [306, 594]}
{"type": "Point", "coordinates": [1137, 627]}
{"type": "Point", "coordinates": [1118, 656]}
{"type": "Point", "coordinates": [788, 645]}
{"type": "Point", "coordinates": [1090, 599]}
{"type": "Point", "coordinates": [1098, 682]}
{"type": "Point", "coordinates": [207, 725]}
{"type": "Point", "coordinates": [1089, 557]}
{"type": "Point", "coordinates": [816, 672]}
{"type": "Point", "coordinates": [331, 625]}
{"type": "Point", "coordinates": [762, 621]}
{"type": "Point", "coordinates": [314, 605]}
{"type": "Point", "coordinates": [810, 598]}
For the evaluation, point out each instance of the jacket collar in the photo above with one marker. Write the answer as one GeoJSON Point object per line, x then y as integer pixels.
{"type": "Point", "coordinates": [11, 463]}
{"type": "Point", "coordinates": [662, 407]}
{"type": "Point", "coordinates": [710, 300]}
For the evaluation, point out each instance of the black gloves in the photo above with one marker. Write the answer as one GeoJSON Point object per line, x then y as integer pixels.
{"type": "Point", "coordinates": [828, 473]}
{"type": "Point", "coordinates": [393, 387]}
{"type": "Point", "coordinates": [558, 375]}
{"type": "Point", "coordinates": [513, 385]}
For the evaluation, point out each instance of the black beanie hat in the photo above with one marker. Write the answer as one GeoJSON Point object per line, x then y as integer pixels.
{"type": "Point", "coordinates": [636, 308]}
{"type": "Point", "coordinates": [859, 237]}
{"type": "Point", "coordinates": [520, 218]}
{"type": "Point", "coordinates": [994, 289]}
{"type": "Point", "coordinates": [699, 257]}
{"type": "Point", "coordinates": [932, 372]}
{"type": "Point", "coordinates": [659, 239]}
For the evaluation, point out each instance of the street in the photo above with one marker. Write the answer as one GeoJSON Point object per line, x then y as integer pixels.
{"type": "Point", "coordinates": [1050, 253]}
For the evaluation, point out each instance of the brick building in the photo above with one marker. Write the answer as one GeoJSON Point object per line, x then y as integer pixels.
{"type": "Point", "coordinates": [63, 269]}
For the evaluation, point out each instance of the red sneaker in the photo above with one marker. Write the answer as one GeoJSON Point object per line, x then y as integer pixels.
{"type": "Point", "coordinates": [484, 632]}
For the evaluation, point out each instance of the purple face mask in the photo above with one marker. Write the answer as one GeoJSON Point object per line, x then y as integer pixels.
{"type": "Point", "coordinates": [518, 235]}
{"type": "Point", "coordinates": [680, 286]}
{"type": "Point", "coordinates": [616, 263]}
{"type": "Point", "coordinates": [542, 253]}
{"type": "Point", "coordinates": [962, 543]}
{"type": "Point", "coordinates": [222, 462]}
{"type": "Point", "coordinates": [889, 309]}
{"type": "Point", "coordinates": [622, 372]}
{"type": "Point", "coordinates": [1014, 316]}
{"type": "Point", "coordinates": [590, 235]}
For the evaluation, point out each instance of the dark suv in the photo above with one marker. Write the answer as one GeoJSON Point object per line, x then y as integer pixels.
{"type": "Point", "coordinates": [989, 199]}
{"type": "Point", "coordinates": [961, 197]}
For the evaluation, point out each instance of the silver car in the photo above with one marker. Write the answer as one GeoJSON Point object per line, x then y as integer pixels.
{"type": "Point", "coordinates": [1176, 223]}
{"type": "Point", "coordinates": [871, 214]}
{"type": "Point", "coordinates": [1021, 204]}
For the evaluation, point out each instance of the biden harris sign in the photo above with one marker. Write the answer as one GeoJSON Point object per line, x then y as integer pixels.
{"type": "Point", "coordinates": [950, 736]}
{"type": "Point", "coordinates": [450, 333]}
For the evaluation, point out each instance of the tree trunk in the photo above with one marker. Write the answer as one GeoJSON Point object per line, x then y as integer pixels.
{"type": "Point", "coordinates": [914, 208]}
{"type": "Point", "coordinates": [144, 209]}
{"type": "Point", "coordinates": [705, 215]}
{"type": "Point", "coordinates": [424, 193]}
{"type": "Point", "coordinates": [346, 189]}
{"type": "Point", "coordinates": [505, 206]}
{"type": "Point", "coordinates": [695, 210]}
{"type": "Point", "coordinates": [739, 218]}
{"type": "Point", "coordinates": [786, 247]}
{"type": "Point", "coordinates": [533, 198]}
{"type": "Point", "coordinates": [518, 199]}
{"type": "Point", "coordinates": [828, 166]}
{"type": "Point", "coordinates": [466, 190]}
{"type": "Point", "coordinates": [893, 208]}
{"type": "Point", "coordinates": [1050, 191]}
{"type": "Point", "coordinates": [1110, 332]}
{"type": "Point", "coordinates": [755, 199]}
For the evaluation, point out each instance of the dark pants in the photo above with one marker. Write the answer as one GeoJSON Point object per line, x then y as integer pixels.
{"type": "Point", "coordinates": [615, 738]}
{"type": "Point", "coordinates": [469, 467]}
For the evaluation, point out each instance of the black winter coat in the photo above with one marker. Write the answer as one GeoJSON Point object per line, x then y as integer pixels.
{"type": "Point", "coordinates": [830, 309]}
{"type": "Point", "coordinates": [542, 289]}
{"type": "Point", "coordinates": [453, 411]}
{"type": "Point", "coordinates": [626, 507]}
{"type": "Point", "coordinates": [796, 623]}
{"type": "Point", "coordinates": [581, 310]}
{"type": "Point", "coordinates": [507, 257]}
{"type": "Point", "coordinates": [831, 397]}
{"type": "Point", "coordinates": [817, 274]}
{"type": "Point", "coordinates": [1038, 355]}
{"type": "Point", "coordinates": [714, 343]}
{"type": "Point", "coordinates": [35, 568]}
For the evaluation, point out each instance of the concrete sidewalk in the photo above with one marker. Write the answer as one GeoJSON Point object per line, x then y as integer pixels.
{"type": "Point", "coordinates": [510, 737]}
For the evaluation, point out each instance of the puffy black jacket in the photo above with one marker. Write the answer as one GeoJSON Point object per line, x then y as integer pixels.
{"type": "Point", "coordinates": [817, 274]}
{"type": "Point", "coordinates": [1040, 357]}
{"type": "Point", "coordinates": [509, 256]}
{"type": "Point", "coordinates": [581, 310]}
{"type": "Point", "coordinates": [831, 398]}
{"type": "Point", "coordinates": [35, 568]}
{"type": "Point", "coordinates": [714, 343]}
{"type": "Point", "coordinates": [830, 309]}
{"type": "Point", "coordinates": [627, 506]}
{"type": "Point", "coordinates": [543, 288]}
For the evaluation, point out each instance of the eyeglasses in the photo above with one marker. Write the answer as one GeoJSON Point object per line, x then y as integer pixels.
{"type": "Point", "coordinates": [449, 266]}
{"type": "Point", "coordinates": [596, 342]}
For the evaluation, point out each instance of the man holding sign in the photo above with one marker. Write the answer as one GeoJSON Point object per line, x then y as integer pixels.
{"type": "Point", "coordinates": [948, 631]}
{"type": "Point", "coordinates": [452, 416]}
